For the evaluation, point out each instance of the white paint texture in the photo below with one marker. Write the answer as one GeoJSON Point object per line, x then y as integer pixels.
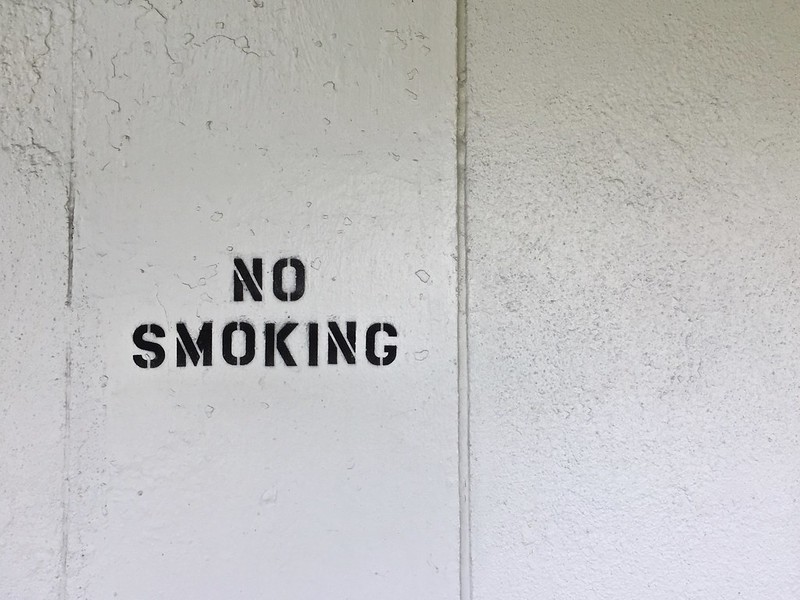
{"type": "Point", "coordinates": [632, 200]}
{"type": "Point", "coordinates": [34, 175]}
{"type": "Point", "coordinates": [634, 178]}
{"type": "Point", "coordinates": [206, 131]}
{"type": "Point", "coordinates": [322, 130]}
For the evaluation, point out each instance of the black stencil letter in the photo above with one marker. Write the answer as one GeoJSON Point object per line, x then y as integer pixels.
{"type": "Point", "coordinates": [337, 340]}
{"type": "Point", "coordinates": [249, 343]}
{"type": "Point", "coordinates": [299, 279]}
{"type": "Point", "coordinates": [313, 344]}
{"type": "Point", "coordinates": [272, 341]}
{"type": "Point", "coordinates": [186, 345]}
{"type": "Point", "coordinates": [146, 361]}
{"type": "Point", "coordinates": [389, 350]}
{"type": "Point", "coordinates": [242, 277]}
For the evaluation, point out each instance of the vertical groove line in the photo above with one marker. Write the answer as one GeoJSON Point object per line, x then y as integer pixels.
{"type": "Point", "coordinates": [67, 407]}
{"type": "Point", "coordinates": [465, 550]}
{"type": "Point", "coordinates": [71, 175]}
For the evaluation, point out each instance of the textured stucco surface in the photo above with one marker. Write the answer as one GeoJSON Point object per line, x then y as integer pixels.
{"type": "Point", "coordinates": [634, 210]}
{"type": "Point", "coordinates": [322, 130]}
{"type": "Point", "coordinates": [34, 175]}
{"type": "Point", "coordinates": [202, 131]}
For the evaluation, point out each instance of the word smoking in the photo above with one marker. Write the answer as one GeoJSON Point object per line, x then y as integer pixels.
{"type": "Point", "coordinates": [239, 340]}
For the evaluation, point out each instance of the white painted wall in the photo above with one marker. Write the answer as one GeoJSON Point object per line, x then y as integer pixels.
{"type": "Point", "coordinates": [633, 236]}
{"type": "Point", "coordinates": [632, 200]}
{"type": "Point", "coordinates": [322, 130]}
{"type": "Point", "coordinates": [34, 182]}
{"type": "Point", "coordinates": [203, 132]}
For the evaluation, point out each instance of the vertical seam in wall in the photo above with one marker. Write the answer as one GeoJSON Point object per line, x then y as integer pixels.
{"type": "Point", "coordinates": [465, 551]}
{"type": "Point", "coordinates": [70, 209]}
{"type": "Point", "coordinates": [71, 176]}
{"type": "Point", "coordinates": [65, 490]}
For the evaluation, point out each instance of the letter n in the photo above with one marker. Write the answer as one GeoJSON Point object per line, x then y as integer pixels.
{"type": "Point", "coordinates": [337, 341]}
{"type": "Point", "coordinates": [242, 278]}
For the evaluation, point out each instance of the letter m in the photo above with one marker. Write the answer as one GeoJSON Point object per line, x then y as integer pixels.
{"type": "Point", "coordinates": [242, 278]}
{"type": "Point", "coordinates": [194, 348]}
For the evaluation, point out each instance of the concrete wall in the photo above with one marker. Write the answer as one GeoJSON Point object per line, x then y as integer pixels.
{"type": "Point", "coordinates": [188, 135]}
{"type": "Point", "coordinates": [212, 131]}
{"type": "Point", "coordinates": [634, 210]}
{"type": "Point", "coordinates": [627, 398]}
{"type": "Point", "coordinates": [35, 92]}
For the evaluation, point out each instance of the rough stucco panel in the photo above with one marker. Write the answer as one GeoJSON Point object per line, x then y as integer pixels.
{"type": "Point", "coordinates": [34, 174]}
{"type": "Point", "coordinates": [323, 130]}
{"type": "Point", "coordinates": [634, 211]}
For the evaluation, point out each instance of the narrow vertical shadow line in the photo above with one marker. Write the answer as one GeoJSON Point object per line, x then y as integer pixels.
{"type": "Point", "coordinates": [67, 407]}
{"type": "Point", "coordinates": [465, 548]}
{"type": "Point", "coordinates": [65, 480]}
{"type": "Point", "coordinates": [70, 205]}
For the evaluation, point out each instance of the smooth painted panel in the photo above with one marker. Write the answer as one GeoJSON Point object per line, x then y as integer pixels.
{"type": "Point", "coordinates": [211, 131]}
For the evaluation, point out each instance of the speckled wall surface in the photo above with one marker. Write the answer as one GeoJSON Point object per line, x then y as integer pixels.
{"type": "Point", "coordinates": [621, 371]}
{"type": "Point", "coordinates": [634, 210]}
{"type": "Point", "coordinates": [198, 133]}
{"type": "Point", "coordinates": [34, 190]}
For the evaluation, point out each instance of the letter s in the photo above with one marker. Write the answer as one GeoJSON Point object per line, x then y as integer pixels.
{"type": "Point", "coordinates": [145, 361]}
